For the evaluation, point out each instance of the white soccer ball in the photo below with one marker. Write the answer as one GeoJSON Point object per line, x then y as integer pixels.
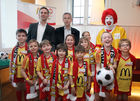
{"type": "Point", "coordinates": [105, 77]}
{"type": "Point", "coordinates": [3, 55]}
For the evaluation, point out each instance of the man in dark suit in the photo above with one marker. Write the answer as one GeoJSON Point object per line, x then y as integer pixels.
{"type": "Point", "coordinates": [62, 32]}
{"type": "Point", "coordinates": [41, 30]}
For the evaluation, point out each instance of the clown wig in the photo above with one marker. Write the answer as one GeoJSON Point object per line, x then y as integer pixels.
{"type": "Point", "coordinates": [109, 12]}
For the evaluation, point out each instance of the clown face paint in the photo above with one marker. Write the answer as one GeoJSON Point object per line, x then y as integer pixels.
{"type": "Point", "coordinates": [109, 21]}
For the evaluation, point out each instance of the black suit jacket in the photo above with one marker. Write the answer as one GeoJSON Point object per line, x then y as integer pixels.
{"type": "Point", "coordinates": [59, 35]}
{"type": "Point", "coordinates": [48, 33]}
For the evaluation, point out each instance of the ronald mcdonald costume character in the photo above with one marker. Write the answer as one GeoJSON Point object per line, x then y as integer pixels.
{"type": "Point", "coordinates": [109, 18]}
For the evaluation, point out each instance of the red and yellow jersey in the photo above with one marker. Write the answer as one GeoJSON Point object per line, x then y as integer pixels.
{"type": "Point", "coordinates": [124, 73]}
{"type": "Point", "coordinates": [118, 33]}
{"type": "Point", "coordinates": [71, 55]}
{"type": "Point", "coordinates": [49, 61]}
{"type": "Point", "coordinates": [80, 81]}
{"type": "Point", "coordinates": [25, 65]}
{"type": "Point", "coordinates": [88, 60]}
{"type": "Point", "coordinates": [97, 56]}
{"type": "Point", "coordinates": [19, 60]}
{"type": "Point", "coordinates": [62, 72]}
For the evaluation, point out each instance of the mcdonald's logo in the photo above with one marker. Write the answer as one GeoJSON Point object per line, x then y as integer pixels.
{"type": "Point", "coordinates": [80, 80]}
{"type": "Point", "coordinates": [125, 71]}
{"type": "Point", "coordinates": [19, 57]}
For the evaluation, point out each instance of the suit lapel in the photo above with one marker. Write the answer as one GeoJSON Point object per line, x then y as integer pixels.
{"type": "Point", "coordinates": [35, 30]}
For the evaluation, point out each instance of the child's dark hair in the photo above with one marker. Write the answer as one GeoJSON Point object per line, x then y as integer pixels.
{"type": "Point", "coordinates": [33, 40]}
{"type": "Point", "coordinates": [125, 40]}
{"type": "Point", "coordinates": [44, 8]}
{"type": "Point", "coordinates": [79, 48]}
{"type": "Point", "coordinates": [63, 47]}
{"type": "Point", "coordinates": [44, 42]}
{"type": "Point", "coordinates": [21, 31]}
{"type": "Point", "coordinates": [71, 36]}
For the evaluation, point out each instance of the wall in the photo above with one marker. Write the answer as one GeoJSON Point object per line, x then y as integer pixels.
{"type": "Point", "coordinates": [128, 12]}
{"type": "Point", "coordinates": [61, 7]}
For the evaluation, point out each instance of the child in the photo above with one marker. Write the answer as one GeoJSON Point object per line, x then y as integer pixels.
{"type": "Point", "coordinates": [87, 35]}
{"type": "Point", "coordinates": [69, 41]}
{"type": "Point", "coordinates": [126, 65]}
{"type": "Point", "coordinates": [18, 54]}
{"type": "Point", "coordinates": [88, 56]}
{"type": "Point", "coordinates": [45, 65]}
{"type": "Point", "coordinates": [29, 70]}
{"type": "Point", "coordinates": [81, 72]}
{"type": "Point", "coordinates": [63, 65]}
{"type": "Point", "coordinates": [105, 57]}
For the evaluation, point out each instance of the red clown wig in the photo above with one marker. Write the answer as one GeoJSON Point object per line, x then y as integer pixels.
{"type": "Point", "coordinates": [109, 12]}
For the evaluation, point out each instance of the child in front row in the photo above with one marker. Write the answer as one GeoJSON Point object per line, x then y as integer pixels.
{"type": "Point", "coordinates": [80, 75]}
{"type": "Point", "coordinates": [126, 65]}
{"type": "Point", "coordinates": [29, 70]}
{"type": "Point", "coordinates": [18, 54]}
{"type": "Point", "coordinates": [63, 65]}
{"type": "Point", "coordinates": [45, 64]}
{"type": "Point", "coordinates": [106, 56]}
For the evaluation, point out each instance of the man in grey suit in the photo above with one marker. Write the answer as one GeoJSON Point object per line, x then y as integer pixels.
{"type": "Point", "coordinates": [62, 32]}
{"type": "Point", "coordinates": [41, 30]}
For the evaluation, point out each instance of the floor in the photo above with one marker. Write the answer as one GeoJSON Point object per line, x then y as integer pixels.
{"type": "Point", "coordinates": [8, 92]}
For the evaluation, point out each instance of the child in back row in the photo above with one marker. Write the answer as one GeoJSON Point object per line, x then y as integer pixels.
{"type": "Point", "coordinates": [80, 75]}
{"type": "Point", "coordinates": [18, 54]}
{"type": "Point", "coordinates": [29, 70]}
{"type": "Point", "coordinates": [126, 65]}
{"type": "Point", "coordinates": [70, 42]}
{"type": "Point", "coordinates": [106, 56]}
{"type": "Point", "coordinates": [87, 35]}
{"type": "Point", "coordinates": [45, 65]}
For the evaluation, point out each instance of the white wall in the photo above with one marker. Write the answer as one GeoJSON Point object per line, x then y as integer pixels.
{"type": "Point", "coordinates": [8, 22]}
{"type": "Point", "coordinates": [61, 7]}
{"type": "Point", "coordinates": [127, 11]}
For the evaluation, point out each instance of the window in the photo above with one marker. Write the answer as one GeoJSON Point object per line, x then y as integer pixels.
{"type": "Point", "coordinates": [87, 11]}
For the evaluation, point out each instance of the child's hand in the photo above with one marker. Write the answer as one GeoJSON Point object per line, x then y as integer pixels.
{"type": "Point", "coordinates": [65, 87]}
{"type": "Point", "coordinates": [111, 67]}
{"type": "Point", "coordinates": [59, 87]}
{"type": "Point", "coordinates": [73, 91]}
{"type": "Point", "coordinates": [31, 82]}
{"type": "Point", "coordinates": [45, 81]}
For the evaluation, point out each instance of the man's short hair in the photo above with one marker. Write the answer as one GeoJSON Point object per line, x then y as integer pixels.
{"type": "Point", "coordinates": [21, 31]}
{"type": "Point", "coordinates": [44, 8]}
{"type": "Point", "coordinates": [67, 13]}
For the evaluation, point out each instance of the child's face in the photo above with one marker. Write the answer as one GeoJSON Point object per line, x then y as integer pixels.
{"type": "Point", "coordinates": [21, 37]}
{"type": "Point", "coordinates": [70, 41]}
{"type": "Point", "coordinates": [125, 47]}
{"type": "Point", "coordinates": [46, 48]}
{"type": "Point", "coordinates": [79, 55]}
{"type": "Point", "coordinates": [84, 44]}
{"type": "Point", "coordinates": [107, 39]}
{"type": "Point", "coordinates": [87, 35]}
{"type": "Point", "coordinates": [61, 53]}
{"type": "Point", "coordinates": [33, 47]}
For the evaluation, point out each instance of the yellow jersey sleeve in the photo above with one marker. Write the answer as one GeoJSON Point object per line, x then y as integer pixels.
{"type": "Point", "coordinates": [39, 66]}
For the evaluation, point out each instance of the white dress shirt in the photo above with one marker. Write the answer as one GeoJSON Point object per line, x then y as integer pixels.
{"type": "Point", "coordinates": [40, 31]}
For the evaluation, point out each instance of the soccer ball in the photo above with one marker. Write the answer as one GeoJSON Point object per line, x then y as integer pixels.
{"type": "Point", "coordinates": [105, 77]}
{"type": "Point", "coordinates": [3, 55]}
